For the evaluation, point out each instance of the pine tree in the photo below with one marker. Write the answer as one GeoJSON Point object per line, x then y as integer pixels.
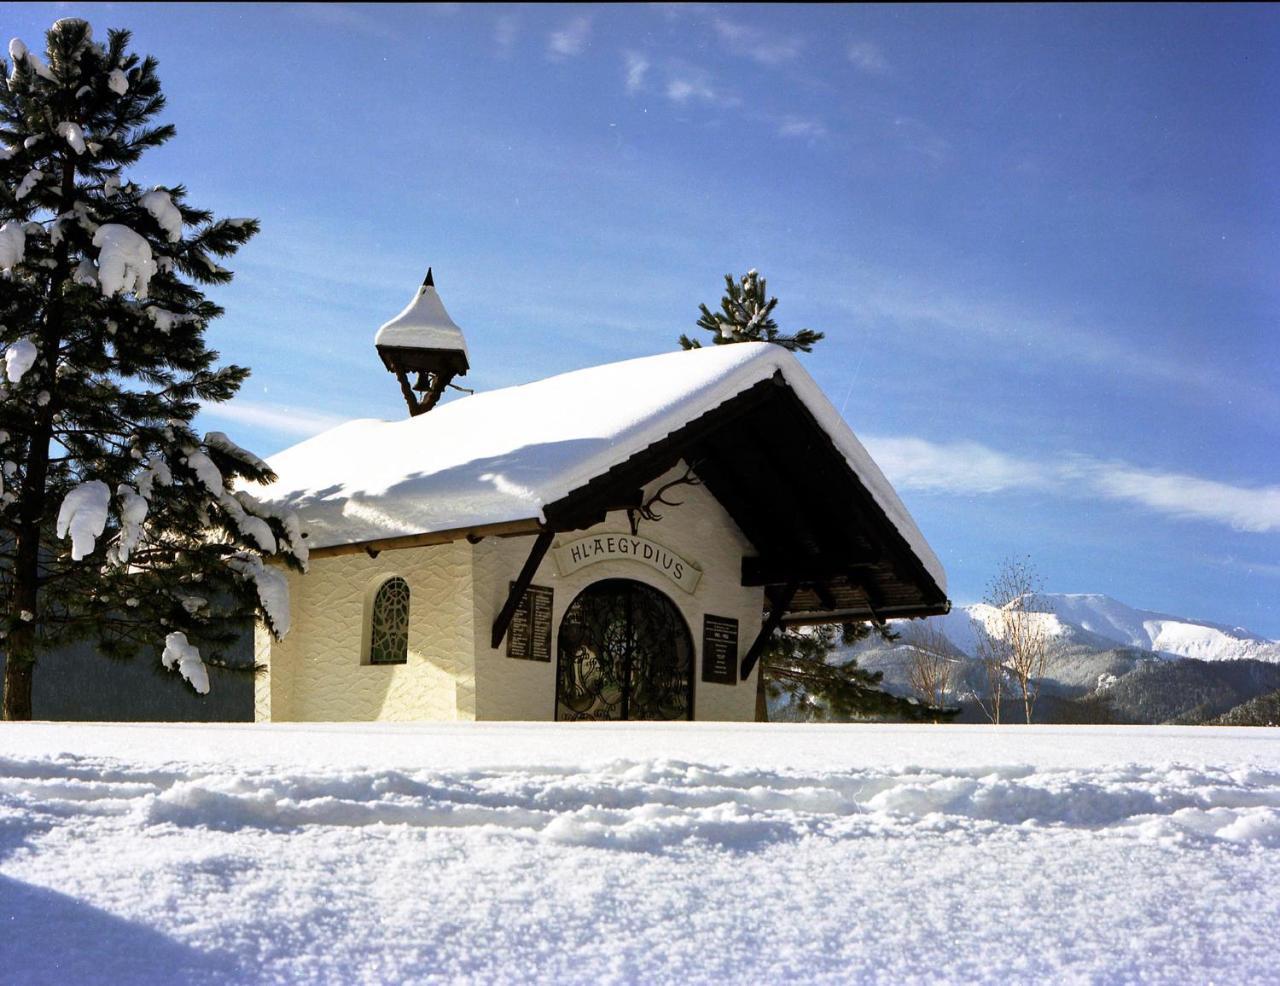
{"type": "Point", "coordinates": [746, 315]}
{"type": "Point", "coordinates": [799, 663]}
{"type": "Point", "coordinates": [117, 522]}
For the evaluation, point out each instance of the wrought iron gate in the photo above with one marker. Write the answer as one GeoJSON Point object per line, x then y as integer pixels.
{"type": "Point", "coordinates": [624, 653]}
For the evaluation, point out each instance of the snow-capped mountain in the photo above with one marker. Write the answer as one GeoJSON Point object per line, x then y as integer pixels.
{"type": "Point", "coordinates": [1100, 622]}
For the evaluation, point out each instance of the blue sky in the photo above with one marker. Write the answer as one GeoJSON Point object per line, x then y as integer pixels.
{"type": "Point", "coordinates": [1042, 241]}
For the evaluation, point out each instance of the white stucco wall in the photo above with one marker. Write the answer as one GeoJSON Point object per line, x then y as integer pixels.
{"type": "Point", "coordinates": [699, 530]}
{"type": "Point", "coordinates": [317, 672]}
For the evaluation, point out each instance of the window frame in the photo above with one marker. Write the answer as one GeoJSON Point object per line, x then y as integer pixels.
{"type": "Point", "coordinates": [372, 596]}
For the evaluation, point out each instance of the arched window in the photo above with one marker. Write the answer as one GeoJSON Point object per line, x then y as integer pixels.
{"type": "Point", "coordinates": [389, 623]}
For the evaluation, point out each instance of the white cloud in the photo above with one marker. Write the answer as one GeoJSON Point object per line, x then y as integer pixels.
{"type": "Point", "coordinates": [796, 127]}
{"type": "Point", "coordinates": [637, 67]}
{"type": "Point", "coordinates": [682, 90]}
{"type": "Point", "coordinates": [506, 29]}
{"type": "Point", "coordinates": [969, 468]}
{"type": "Point", "coordinates": [957, 467]}
{"type": "Point", "coordinates": [759, 45]}
{"type": "Point", "coordinates": [691, 85]}
{"type": "Point", "coordinates": [273, 417]}
{"type": "Point", "coordinates": [868, 58]}
{"type": "Point", "coordinates": [1179, 495]}
{"type": "Point", "coordinates": [570, 40]}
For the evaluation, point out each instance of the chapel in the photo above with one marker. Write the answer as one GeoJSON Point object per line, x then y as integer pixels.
{"type": "Point", "coordinates": [616, 542]}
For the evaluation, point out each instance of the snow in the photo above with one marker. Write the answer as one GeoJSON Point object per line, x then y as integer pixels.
{"type": "Point", "coordinates": [252, 527]}
{"type": "Point", "coordinates": [73, 135]}
{"type": "Point", "coordinates": [13, 244]}
{"type": "Point", "coordinates": [124, 260]}
{"type": "Point", "coordinates": [17, 50]}
{"type": "Point", "coordinates": [160, 205]}
{"type": "Point", "coordinates": [218, 440]}
{"type": "Point", "coordinates": [178, 651]}
{"type": "Point", "coordinates": [636, 853]}
{"type": "Point", "coordinates": [1100, 622]}
{"type": "Point", "coordinates": [118, 82]}
{"type": "Point", "coordinates": [505, 454]}
{"type": "Point", "coordinates": [133, 513]}
{"type": "Point", "coordinates": [206, 472]}
{"type": "Point", "coordinates": [29, 181]}
{"type": "Point", "coordinates": [18, 359]}
{"type": "Point", "coordinates": [83, 516]}
{"type": "Point", "coordinates": [424, 324]}
{"type": "Point", "coordinates": [272, 587]}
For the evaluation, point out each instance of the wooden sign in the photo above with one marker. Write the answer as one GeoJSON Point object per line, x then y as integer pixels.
{"type": "Point", "coordinates": [529, 636]}
{"type": "Point", "coordinates": [720, 650]}
{"type": "Point", "coordinates": [574, 555]}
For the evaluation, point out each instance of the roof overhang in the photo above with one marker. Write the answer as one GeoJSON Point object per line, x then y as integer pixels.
{"type": "Point", "coordinates": [817, 529]}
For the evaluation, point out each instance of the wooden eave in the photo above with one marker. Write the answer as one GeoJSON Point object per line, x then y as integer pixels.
{"type": "Point", "coordinates": [414, 359]}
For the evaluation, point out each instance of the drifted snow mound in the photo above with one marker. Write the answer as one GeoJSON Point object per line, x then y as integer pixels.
{"type": "Point", "coordinates": [659, 805]}
{"type": "Point", "coordinates": [538, 853]}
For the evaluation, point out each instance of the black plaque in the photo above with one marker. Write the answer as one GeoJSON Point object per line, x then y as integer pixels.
{"type": "Point", "coordinates": [529, 636]}
{"type": "Point", "coordinates": [720, 650]}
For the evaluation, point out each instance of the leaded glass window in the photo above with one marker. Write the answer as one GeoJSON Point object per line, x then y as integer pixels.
{"type": "Point", "coordinates": [389, 623]}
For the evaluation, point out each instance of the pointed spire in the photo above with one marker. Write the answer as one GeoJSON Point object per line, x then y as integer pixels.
{"type": "Point", "coordinates": [425, 341]}
{"type": "Point", "coordinates": [424, 323]}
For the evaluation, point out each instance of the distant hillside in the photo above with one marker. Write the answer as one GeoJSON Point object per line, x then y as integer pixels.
{"type": "Point", "coordinates": [1108, 663]}
{"type": "Point", "coordinates": [1261, 711]}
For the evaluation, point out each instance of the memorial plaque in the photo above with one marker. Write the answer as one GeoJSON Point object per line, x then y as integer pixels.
{"type": "Point", "coordinates": [529, 636]}
{"type": "Point", "coordinates": [720, 650]}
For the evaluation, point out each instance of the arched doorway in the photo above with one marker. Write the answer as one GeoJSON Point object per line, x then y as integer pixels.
{"type": "Point", "coordinates": [624, 652]}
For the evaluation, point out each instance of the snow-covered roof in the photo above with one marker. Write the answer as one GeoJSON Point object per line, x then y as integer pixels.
{"type": "Point", "coordinates": [504, 455]}
{"type": "Point", "coordinates": [424, 324]}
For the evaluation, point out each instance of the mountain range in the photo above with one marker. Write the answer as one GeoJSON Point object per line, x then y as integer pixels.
{"type": "Point", "coordinates": [1099, 622]}
{"type": "Point", "coordinates": [1107, 662]}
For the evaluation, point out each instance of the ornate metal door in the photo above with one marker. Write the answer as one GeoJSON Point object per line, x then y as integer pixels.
{"type": "Point", "coordinates": [624, 653]}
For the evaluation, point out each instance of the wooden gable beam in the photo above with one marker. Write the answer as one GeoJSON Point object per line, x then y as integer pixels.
{"type": "Point", "coordinates": [820, 568]}
{"type": "Point", "coordinates": [536, 554]}
{"type": "Point", "coordinates": [778, 610]}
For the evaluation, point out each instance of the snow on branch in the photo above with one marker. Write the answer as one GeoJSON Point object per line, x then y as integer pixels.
{"type": "Point", "coordinates": [124, 260]}
{"type": "Point", "coordinates": [13, 244]}
{"type": "Point", "coordinates": [166, 214]}
{"type": "Point", "coordinates": [272, 586]}
{"type": "Point", "coordinates": [18, 359]}
{"type": "Point", "coordinates": [218, 441]}
{"type": "Point", "coordinates": [83, 516]}
{"type": "Point", "coordinates": [180, 652]}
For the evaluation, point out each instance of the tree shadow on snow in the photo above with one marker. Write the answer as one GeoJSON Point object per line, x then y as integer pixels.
{"type": "Point", "coordinates": [50, 938]}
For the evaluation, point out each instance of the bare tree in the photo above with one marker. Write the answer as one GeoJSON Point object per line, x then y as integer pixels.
{"type": "Point", "coordinates": [932, 663]}
{"type": "Point", "coordinates": [1013, 644]}
{"type": "Point", "coordinates": [992, 658]}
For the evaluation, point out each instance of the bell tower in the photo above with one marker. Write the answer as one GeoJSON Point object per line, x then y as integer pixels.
{"type": "Point", "coordinates": [425, 341]}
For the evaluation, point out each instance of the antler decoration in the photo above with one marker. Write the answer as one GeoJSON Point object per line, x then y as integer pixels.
{"type": "Point", "coordinates": [646, 512]}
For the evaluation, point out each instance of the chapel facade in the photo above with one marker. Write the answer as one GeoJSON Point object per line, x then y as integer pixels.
{"type": "Point", "coordinates": [613, 543]}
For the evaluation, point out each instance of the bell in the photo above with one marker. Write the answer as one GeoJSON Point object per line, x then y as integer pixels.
{"type": "Point", "coordinates": [423, 383]}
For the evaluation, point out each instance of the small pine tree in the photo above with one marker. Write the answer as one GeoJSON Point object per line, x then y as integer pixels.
{"type": "Point", "coordinates": [799, 665]}
{"type": "Point", "coordinates": [797, 662]}
{"type": "Point", "coordinates": [746, 315]}
{"type": "Point", "coordinates": [117, 522]}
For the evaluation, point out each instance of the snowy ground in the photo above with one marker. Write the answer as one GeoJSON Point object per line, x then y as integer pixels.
{"type": "Point", "coordinates": [663, 853]}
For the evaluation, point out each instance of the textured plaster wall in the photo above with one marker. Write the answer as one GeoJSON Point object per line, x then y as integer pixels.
{"type": "Point", "coordinates": [699, 530]}
{"type": "Point", "coordinates": [317, 672]}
